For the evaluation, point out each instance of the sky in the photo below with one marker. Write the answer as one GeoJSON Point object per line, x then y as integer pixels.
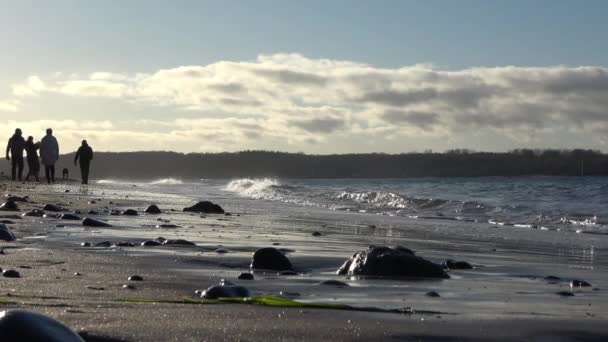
{"type": "Point", "coordinates": [316, 76]}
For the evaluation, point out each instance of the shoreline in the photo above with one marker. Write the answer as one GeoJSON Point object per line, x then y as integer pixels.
{"type": "Point", "coordinates": [506, 288]}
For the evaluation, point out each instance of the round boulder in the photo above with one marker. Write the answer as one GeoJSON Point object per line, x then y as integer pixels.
{"type": "Point", "coordinates": [391, 262]}
{"type": "Point", "coordinates": [22, 325]}
{"type": "Point", "coordinates": [225, 291]}
{"type": "Point", "coordinates": [270, 258]}
{"type": "Point", "coordinates": [130, 212]}
{"type": "Point", "coordinates": [70, 217]}
{"type": "Point", "coordinates": [51, 207]}
{"type": "Point", "coordinates": [152, 209]}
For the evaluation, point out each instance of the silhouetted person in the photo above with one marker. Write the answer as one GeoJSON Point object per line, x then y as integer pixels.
{"type": "Point", "coordinates": [65, 174]}
{"type": "Point", "coordinates": [16, 145]}
{"type": "Point", "coordinates": [49, 153]}
{"type": "Point", "coordinates": [85, 153]}
{"type": "Point", "coordinates": [33, 163]}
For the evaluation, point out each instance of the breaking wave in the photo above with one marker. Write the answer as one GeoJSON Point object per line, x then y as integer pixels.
{"type": "Point", "coordinates": [167, 181]}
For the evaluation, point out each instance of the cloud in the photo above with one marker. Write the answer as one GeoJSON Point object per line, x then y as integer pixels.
{"type": "Point", "coordinates": [289, 97]}
{"type": "Point", "coordinates": [11, 106]}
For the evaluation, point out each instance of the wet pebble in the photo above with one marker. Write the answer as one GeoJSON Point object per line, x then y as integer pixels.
{"type": "Point", "coordinates": [34, 213]}
{"type": "Point", "coordinates": [92, 212]}
{"type": "Point", "coordinates": [333, 282]}
{"type": "Point", "coordinates": [136, 278]}
{"type": "Point", "coordinates": [245, 276]}
{"type": "Point", "coordinates": [221, 251]}
{"type": "Point", "coordinates": [28, 326]}
{"type": "Point", "coordinates": [225, 291]}
{"type": "Point", "coordinates": [566, 293]}
{"type": "Point", "coordinates": [103, 244]}
{"type": "Point", "coordinates": [124, 244]}
{"type": "Point", "coordinates": [316, 234]}
{"type": "Point", "coordinates": [128, 287]}
{"type": "Point", "coordinates": [89, 222]}
{"type": "Point", "coordinates": [270, 258]}
{"type": "Point", "coordinates": [451, 264]}
{"type": "Point", "coordinates": [288, 273]}
{"type": "Point", "coordinates": [433, 294]}
{"type": "Point", "coordinates": [11, 274]}
{"type": "Point", "coordinates": [289, 294]}
{"type": "Point", "coordinates": [51, 207]}
{"type": "Point", "coordinates": [6, 234]}
{"type": "Point", "coordinates": [167, 226]}
{"type": "Point", "coordinates": [579, 283]}
{"type": "Point", "coordinates": [152, 209]}
{"type": "Point", "coordinates": [178, 242]}
{"type": "Point", "coordinates": [130, 212]}
{"type": "Point", "coordinates": [70, 217]}
{"type": "Point", "coordinates": [86, 244]}
{"type": "Point", "coordinates": [9, 206]}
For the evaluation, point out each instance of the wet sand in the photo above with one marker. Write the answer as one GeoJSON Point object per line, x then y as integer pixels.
{"type": "Point", "coordinates": [506, 297]}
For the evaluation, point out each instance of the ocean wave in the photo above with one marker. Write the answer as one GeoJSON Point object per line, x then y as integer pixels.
{"type": "Point", "coordinates": [167, 181]}
{"type": "Point", "coordinates": [259, 188]}
{"type": "Point", "coordinates": [107, 181]}
{"type": "Point", "coordinates": [388, 200]}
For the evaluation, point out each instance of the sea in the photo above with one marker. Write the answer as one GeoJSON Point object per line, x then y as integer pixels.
{"type": "Point", "coordinates": [577, 204]}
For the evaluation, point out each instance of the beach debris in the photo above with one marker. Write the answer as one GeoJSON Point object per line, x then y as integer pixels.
{"type": "Point", "coordinates": [316, 234]}
{"type": "Point", "coordinates": [103, 244]}
{"type": "Point", "coordinates": [226, 289]}
{"type": "Point", "coordinates": [22, 325]}
{"type": "Point", "coordinates": [579, 283]}
{"type": "Point", "coordinates": [433, 294]}
{"type": "Point", "coordinates": [130, 212]}
{"type": "Point", "coordinates": [70, 217]}
{"type": "Point", "coordinates": [16, 199]}
{"type": "Point", "coordinates": [333, 282]}
{"type": "Point", "coordinates": [136, 278]}
{"type": "Point", "coordinates": [205, 207]}
{"type": "Point", "coordinates": [451, 264]}
{"type": "Point", "coordinates": [152, 209]}
{"type": "Point", "coordinates": [270, 258]}
{"type": "Point", "coordinates": [9, 206]}
{"type": "Point", "coordinates": [178, 242]}
{"type": "Point", "coordinates": [86, 244]}
{"type": "Point", "coordinates": [151, 243]}
{"type": "Point", "coordinates": [11, 274]}
{"type": "Point", "coordinates": [245, 276]}
{"type": "Point", "coordinates": [6, 234]}
{"type": "Point", "coordinates": [391, 262]}
{"type": "Point", "coordinates": [565, 293]}
{"type": "Point", "coordinates": [89, 222]}
{"type": "Point", "coordinates": [51, 207]}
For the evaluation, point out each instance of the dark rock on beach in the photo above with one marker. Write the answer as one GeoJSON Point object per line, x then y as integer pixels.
{"type": "Point", "coordinates": [205, 207]}
{"type": "Point", "coordinates": [226, 290]}
{"type": "Point", "coordinates": [245, 276]}
{"type": "Point", "coordinates": [333, 282]}
{"type": "Point", "coordinates": [124, 244]}
{"type": "Point", "coordinates": [391, 262]}
{"type": "Point", "coordinates": [566, 293]}
{"type": "Point", "coordinates": [16, 199]}
{"type": "Point", "coordinates": [93, 212]}
{"type": "Point", "coordinates": [433, 294]}
{"type": "Point", "coordinates": [86, 244]}
{"type": "Point", "coordinates": [178, 242]}
{"type": "Point", "coordinates": [9, 206]}
{"type": "Point", "coordinates": [152, 209]}
{"type": "Point", "coordinates": [288, 273]}
{"type": "Point", "coordinates": [103, 244]}
{"type": "Point", "coordinates": [89, 222]}
{"type": "Point", "coordinates": [579, 283]}
{"type": "Point", "coordinates": [316, 234]}
{"type": "Point", "coordinates": [6, 234]}
{"type": "Point", "coordinates": [151, 243]}
{"type": "Point", "coordinates": [11, 274]}
{"type": "Point", "coordinates": [27, 326]}
{"type": "Point", "coordinates": [270, 258]}
{"type": "Point", "coordinates": [51, 207]}
{"type": "Point", "coordinates": [130, 212]}
{"type": "Point", "coordinates": [70, 217]}
{"type": "Point", "coordinates": [136, 278]}
{"type": "Point", "coordinates": [451, 264]}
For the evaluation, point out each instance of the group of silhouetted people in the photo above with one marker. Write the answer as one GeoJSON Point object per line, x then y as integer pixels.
{"type": "Point", "coordinates": [49, 154]}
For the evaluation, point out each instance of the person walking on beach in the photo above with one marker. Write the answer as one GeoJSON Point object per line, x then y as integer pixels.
{"type": "Point", "coordinates": [49, 153]}
{"type": "Point", "coordinates": [33, 163]}
{"type": "Point", "coordinates": [16, 145]}
{"type": "Point", "coordinates": [85, 154]}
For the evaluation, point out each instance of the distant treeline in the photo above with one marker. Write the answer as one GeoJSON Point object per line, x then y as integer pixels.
{"type": "Point", "coordinates": [454, 163]}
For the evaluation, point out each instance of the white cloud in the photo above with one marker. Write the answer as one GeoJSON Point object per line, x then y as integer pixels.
{"type": "Point", "coordinates": [297, 99]}
{"type": "Point", "coordinates": [9, 106]}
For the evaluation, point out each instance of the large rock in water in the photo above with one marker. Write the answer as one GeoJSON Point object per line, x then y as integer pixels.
{"type": "Point", "coordinates": [391, 262]}
{"type": "Point", "coordinates": [205, 207]}
{"type": "Point", "coordinates": [27, 326]}
{"type": "Point", "coordinates": [6, 234]}
{"type": "Point", "coordinates": [89, 222]}
{"type": "Point", "coordinates": [52, 207]}
{"type": "Point", "coordinates": [270, 259]}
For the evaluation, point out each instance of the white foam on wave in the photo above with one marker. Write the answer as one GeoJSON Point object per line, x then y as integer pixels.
{"type": "Point", "coordinates": [106, 181]}
{"type": "Point", "coordinates": [167, 181]}
{"type": "Point", "coordinates": [256, 188]}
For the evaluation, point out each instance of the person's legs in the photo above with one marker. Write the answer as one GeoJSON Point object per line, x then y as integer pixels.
{"type": "Point", "coordinates": [53, 173]}
{"type": "Point", "coordinates": [20, 167]}
{"type": "Point", "coordinates": [30, 169]}
{"type": "Point", "coordinates": [14, 168]}
{"type": "Point", "coordinates": [84, 170]}
{"type": "Point", "coordinates": [47, 173]}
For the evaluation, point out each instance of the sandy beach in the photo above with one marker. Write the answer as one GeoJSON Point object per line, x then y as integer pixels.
{"type": "Point", "coordinates": [516, 290]}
